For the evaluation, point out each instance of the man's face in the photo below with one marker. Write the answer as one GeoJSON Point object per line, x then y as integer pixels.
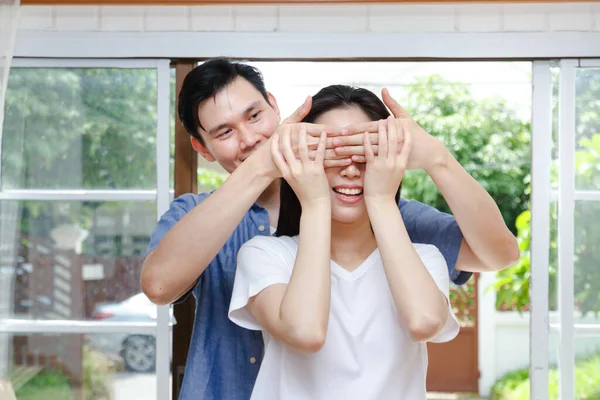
{"type": "Point", "coordinates": [235, 123]}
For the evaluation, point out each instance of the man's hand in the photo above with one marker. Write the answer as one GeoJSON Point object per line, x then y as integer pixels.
{"type": "Point", "coordinates": [263, 155]}
{"type": "Point", "coordinates": [427, 151]}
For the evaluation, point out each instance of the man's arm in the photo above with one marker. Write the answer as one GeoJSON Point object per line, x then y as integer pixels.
{"type": "Point", "coordinates": [488, 243]}
{"type": "Point", "coordinates": [192, 243]}
{"type": "Point", "coordinates": [188, 247]}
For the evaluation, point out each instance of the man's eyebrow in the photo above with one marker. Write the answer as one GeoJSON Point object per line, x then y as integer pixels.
{"type": "Point", "coordinates": [252, 106]}
{"type": "Point", "coordinates": [217, 128]}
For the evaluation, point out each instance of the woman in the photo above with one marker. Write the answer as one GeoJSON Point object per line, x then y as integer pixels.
{"type": "Point", "coordinates": [345, 301]}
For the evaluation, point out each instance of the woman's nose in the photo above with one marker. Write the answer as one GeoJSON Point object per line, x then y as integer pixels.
{"type": "Point", "coordinates": [351, 171]}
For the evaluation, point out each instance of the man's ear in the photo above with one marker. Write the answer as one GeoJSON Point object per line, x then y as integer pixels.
{"type": "Point", "coordinates": [200, 148]}
{"type": "Point", "coordinates": [273, 103]}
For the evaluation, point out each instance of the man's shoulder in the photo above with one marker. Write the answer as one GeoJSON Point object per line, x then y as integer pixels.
{"type": "Point", "coordinates": [188, 201]}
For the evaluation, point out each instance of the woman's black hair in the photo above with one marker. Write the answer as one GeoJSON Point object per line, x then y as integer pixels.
{"type": "Point", "coordinates": [329, 98]}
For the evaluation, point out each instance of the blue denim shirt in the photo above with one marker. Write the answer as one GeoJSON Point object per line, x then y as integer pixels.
{"type": "Point", "coordinates": [224, 359]}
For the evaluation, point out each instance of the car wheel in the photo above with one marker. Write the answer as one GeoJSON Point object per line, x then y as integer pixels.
{"type": "Point", "coordinates": [139, 353]}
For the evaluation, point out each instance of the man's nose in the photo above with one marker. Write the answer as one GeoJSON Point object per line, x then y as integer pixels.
{"type": "Point", "coordinates": [248, 138]}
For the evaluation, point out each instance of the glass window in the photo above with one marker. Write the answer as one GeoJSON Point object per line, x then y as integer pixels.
{"type": "Point", "coordinates": [73, 128]}
{"type": "Point", "coordinates": [116, 366]}
{"type": "Point", "coordinates": [67, 257]}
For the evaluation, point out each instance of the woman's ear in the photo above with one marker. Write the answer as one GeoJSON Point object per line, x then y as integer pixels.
{"type": "Point", "coordinates": [200, 148]}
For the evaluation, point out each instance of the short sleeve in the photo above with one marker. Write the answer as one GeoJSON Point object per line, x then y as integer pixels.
{"type": "Point", "coordinates": [427, 225]}
{"type": "Point", "coordinates": [263, 261]}
{"type": "Point", "coordinates": [178, 209]}
{"type": "Point", "coordinates": [436, 265]}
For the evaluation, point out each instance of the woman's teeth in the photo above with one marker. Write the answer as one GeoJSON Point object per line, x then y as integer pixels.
{"type": "Point", "coordinates": [348, 192]}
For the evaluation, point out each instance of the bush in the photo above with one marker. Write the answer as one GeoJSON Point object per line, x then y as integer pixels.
{"type": "Point", "coordinates": [515, 385]}
{"type": "Point", "coordinates": [98, 373]}
{"type": "Point", "coordinates": [46, 385]}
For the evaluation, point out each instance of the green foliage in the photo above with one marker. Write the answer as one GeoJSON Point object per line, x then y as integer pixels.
{"type": "Point", "coordinates": [210, 179]}
{"type": "Point", "coordinates": [46, 385]}
{"type": "Point", "coordinates": [98, 374]}
{"type": "Point", "coordinates": [512, 284]}
{"type": "Point", "coordinates": [485, 136]}
{"type": "Point", "coordinates": [79, 128]}
{"type": "Point", "coordinates": [515, 385]}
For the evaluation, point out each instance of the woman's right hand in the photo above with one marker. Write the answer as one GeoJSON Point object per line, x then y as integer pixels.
{"type": "Point", "coordinates": [306, 177]}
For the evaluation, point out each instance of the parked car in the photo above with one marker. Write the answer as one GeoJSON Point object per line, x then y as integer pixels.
{"type": "Point", "coordinates": [137, 350]}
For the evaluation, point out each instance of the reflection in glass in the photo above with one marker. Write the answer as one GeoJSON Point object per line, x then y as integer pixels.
{"type": "Point", "coordinates": [72, 366]}
{"type": "Point", "coordinates": [73, 128]}
{"type": "Point", "coordinates": [587, 128]}
{"type": "Point", "coordinates": [60, 260]}
{"type": "Point", "coordinates": [587, 261]}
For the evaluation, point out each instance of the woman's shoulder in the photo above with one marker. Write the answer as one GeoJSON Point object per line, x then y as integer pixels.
{"type": "Point", "coordinates": [427, 250]}
{"type": "Point", "coordinates": [273, 243]}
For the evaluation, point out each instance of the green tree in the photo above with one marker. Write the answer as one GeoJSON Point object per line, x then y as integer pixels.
{"type": "Point", "coordinates": [485, 136]}
{"type": "Point", "coordinates": [79, 128]}
{"type": "Point", "coordinates": [512, 284]}
{"type": "Point", "coordinates": [69, 128]}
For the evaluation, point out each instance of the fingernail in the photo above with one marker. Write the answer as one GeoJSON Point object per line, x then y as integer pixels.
{"type": "Point", "coordinates": [344, 131]}
{"type": "Point", "coordinates": [336, 142]}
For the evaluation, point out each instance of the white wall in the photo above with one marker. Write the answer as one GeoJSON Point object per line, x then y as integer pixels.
{"type": "Point", "coordinates": [455, 18]}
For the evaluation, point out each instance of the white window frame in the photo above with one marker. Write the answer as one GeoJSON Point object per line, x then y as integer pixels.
{"type": "Point", "coordinates": [566, 195]}
{"type": "Point", "coordinates": [541, 139]}
{"type": "Point", "coordinates": [283, 45]}
{"type": "Point", "coordinates": [162, 196]}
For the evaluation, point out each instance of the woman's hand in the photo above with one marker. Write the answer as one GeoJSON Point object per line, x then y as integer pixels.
{"type": "Point", "coordinates": [385, 171]}
{"type": "Point", "coordinates": [306, 176]}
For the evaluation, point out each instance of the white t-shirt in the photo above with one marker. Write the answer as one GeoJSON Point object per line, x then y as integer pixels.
{"type": "Point", "coordinates": [368, 354]}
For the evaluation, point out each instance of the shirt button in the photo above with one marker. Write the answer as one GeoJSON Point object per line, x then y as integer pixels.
{"type": "Point", "coordinates": [261, 228]}
{"type": "Point", "coordinates": [252, 360]}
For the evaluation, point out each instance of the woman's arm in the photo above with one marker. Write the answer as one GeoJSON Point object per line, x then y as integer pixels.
{"type": "Point", "coordinates": [420, 304]}
{"type": "Point", "coordinates": [298, 313]}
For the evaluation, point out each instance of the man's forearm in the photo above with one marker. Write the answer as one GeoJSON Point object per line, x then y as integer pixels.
{"type": "Point", "coordinates": [193, 242]}
{"type": "Point", "coordinates": [477, 216]}
{"type": "Point", "coordinates": [420, 304]}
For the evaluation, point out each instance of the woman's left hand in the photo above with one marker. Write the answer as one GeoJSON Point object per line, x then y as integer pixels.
{"type": "Point", "coordinates": [385, 171]}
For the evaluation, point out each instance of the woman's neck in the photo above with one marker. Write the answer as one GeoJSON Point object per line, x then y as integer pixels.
{"type": "Point", "coordinates": [351, 244]}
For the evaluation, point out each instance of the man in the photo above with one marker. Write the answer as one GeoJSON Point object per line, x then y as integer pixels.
{"type": "Point", "coordinates": [226, 109]}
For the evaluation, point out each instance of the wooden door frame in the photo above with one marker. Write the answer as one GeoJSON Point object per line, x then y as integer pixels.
{"type": "Point", "coordinates": [186, 181]}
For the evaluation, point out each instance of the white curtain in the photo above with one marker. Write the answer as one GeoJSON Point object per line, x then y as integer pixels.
{"type": "Point", "coordinates": [9, 17]}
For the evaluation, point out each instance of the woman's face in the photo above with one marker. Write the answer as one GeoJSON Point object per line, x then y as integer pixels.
{"type": "Point", "coordinates": [346, 183]}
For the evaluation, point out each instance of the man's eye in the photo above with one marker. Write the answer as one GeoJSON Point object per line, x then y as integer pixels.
{"type": "Point", "coordinates": [224, 133]}
{"type": "Point", "coordinates": [255, 115]}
